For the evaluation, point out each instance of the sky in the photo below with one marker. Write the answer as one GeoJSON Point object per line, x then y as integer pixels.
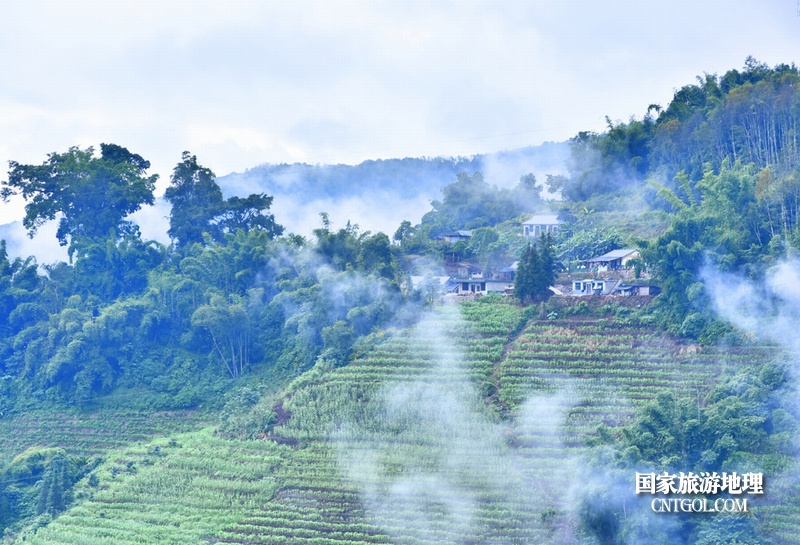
{"type": "Point", "coordinates": [244, 83]}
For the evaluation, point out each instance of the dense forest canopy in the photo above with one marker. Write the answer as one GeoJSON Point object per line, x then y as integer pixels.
{"type": "Point", "coordinates": [748, 117]}
{"type": "Point", "coordinates": [229, 294]}
{"type": "Point", "coordinates": [721, 159]}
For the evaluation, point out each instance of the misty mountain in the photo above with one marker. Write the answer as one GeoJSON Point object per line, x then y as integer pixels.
{"type": "Point", "coordinates": [407, 177]}
{"type": "Point", "coordinates": [379, 194]}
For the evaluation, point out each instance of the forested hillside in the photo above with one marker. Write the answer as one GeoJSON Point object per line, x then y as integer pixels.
{"type": "Point", "coordinates": [247, 384]}
{"type": "Point", "coordinates": [721, 161]}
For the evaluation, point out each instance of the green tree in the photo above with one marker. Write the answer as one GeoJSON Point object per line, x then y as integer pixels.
{"type": "Point", "coordinates": [338, 340]}
{"type": "Point", "coordinates": [485, 244]}
{"type": "Point", "coordinates": [20, 286]}
{"type": "Point", "coordinates": [412, 239]}
{"type": "Point", "coordinates": [196, 200]}
{"type": "Point", "coordinates": [524, 281]}
{"type": "Point", "coordinates": [535, 271]}
{"type": "Point", "coordinates": [228, 323]}
{"type": "Point", "coordinates": [547, 267]}
{"type": "Point", "coordinates": [198, 207]}
{"type": "Point", "coordinates": [375, 256]}
{"type": "Point", "coordinates": [247, 214]}
{"type": "Point", "coordinates": [108, 268]}
{"type": "Point", "coordinates": [528, 192]}
{"type": "Point", "coordinates": [341, 248]}
{"type": "Point", "coordinates": [403, 232]}
{"type": "Point", "coordinates": [718, 221]}
{"type": "Point", "coordinates": [92, 194]}
{"type": "Point", "coordinates": [737, 424]}
{"type": "Point", "coordinates": [470, 202]}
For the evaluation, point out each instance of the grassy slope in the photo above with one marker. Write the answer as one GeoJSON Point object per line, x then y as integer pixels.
{"type": "Point", "coordinates": [455, 431]}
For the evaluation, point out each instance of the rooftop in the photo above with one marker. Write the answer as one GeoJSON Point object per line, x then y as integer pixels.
{"type": "Point", "coordinates": [612, 255]}
{"type": "Point", "coordinates": [543, 219]}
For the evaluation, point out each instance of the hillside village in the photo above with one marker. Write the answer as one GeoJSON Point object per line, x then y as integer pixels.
{"type": "Point", "coordinates": [618, 272]}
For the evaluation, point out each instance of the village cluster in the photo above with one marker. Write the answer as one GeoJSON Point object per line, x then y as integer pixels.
{"type": "Point", "coordinates": [609, 274]}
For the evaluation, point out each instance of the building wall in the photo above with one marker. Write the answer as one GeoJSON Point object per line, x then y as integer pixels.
{"type": "Point", "coordinates": [536, 230]}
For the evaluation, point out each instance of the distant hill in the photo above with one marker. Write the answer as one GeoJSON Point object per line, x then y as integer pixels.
{"type": "Point", "coordinates": [379, 194]}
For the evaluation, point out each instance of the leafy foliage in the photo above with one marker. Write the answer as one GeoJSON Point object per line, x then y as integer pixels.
{"type": "Point", "coordinates": [231, 298]}
{"type": "Point", "coordinates": [470, 202]}
{"type": "Point", "coordinates": [198, 208]}
{"type": "Point", "coordinates": [742, 427]}
{"type": "Point", "coordinates": [196, 200]}
{"type": "Point", "coordinates": [536, 271]}
{"type": "Point", "coordinates": [39, 481]}
{"type": "Point", "coordinates": [720, 222]}
{"type": "Point", "coordinates": [747, 116]}
{"type": "Point", "coordinates": [234, 306]}
{"type": "Point", "coordinates": [92, 194]}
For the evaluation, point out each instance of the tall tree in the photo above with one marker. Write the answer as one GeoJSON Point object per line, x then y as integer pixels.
{"type": "Point", "coordinates": [547, 267]}
{"type": "Point", "coordinates": [198, 207]}
{"type": "Point", "coordinates": [528, 192]}
{"type": "Point", "coordinates": [55, 493]}
{"type": "Point", "coordinates": [341, 248]}
{"type": "Point", "coordinates": [535, 271]}
{"type": "Point", "coordinates": [375, 255]}
{"type": "Point", "coordinates": [92, 194]}
{"type": "Point", "coordinates": [196, 200]}
{"type": "Point", "coordinates": [229, 326]}
{"type": "Point", "coordinates": [526, 269]}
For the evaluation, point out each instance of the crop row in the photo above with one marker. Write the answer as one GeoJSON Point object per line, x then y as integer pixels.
{"type": "Point", "coordinates": [88, 433]}
{"type": "Point", "coordinates": [181, 495]}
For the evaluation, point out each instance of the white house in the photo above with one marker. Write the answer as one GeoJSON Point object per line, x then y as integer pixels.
{"type": "Point", "coordinates": [539, 224]}
{"type": "Point", "coordinates": [472, 284]}
{"type": "Point", "coordinates": [615, 259]}
{"type": "Point", "coordinates": [478, 284]}
{"type": "Point", "coordinates": [592, 286]}
{"type": "Point", "coordinates": [637, 289]}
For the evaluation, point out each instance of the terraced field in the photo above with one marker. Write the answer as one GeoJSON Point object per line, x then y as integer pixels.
{"type": "Point", "coordinates": [89, 433]}
{"type": "Point", "coordinates": [170, 491]}
{"type": "Point", "coordinates": [455, 431]}
{"type": "Point", "coordinates": [605, 370]}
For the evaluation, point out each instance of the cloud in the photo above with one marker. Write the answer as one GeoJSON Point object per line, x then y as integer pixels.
{"type": "Point", "coordinates": [374, 212]}
{"type": "Point", "coordinates": [767, 309]}
{"type": "Point", "coordinates": [430, 461]}
{"type": "Point", "coordinates": [342, 82]}
{"type": "Point", "coordinates": [43, 246]}
{"type": "Point", "coordinates": [504, 169]}
{"type": "Point", "coordinates": [153, 221]}
{"type": "Point", "coordinates": [240, 141]}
